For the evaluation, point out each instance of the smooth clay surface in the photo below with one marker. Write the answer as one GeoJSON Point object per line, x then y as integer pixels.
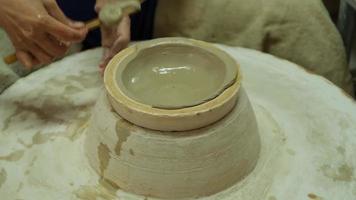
{"type": "Point", "coordinates": [174, 73]}
{"type": "Point", "coordinates": [173, 165]}
{"type": "Point", "coordinates": [307, 129]}
{"type": "Point", "coordinates": [173, 76]}
{"type": "Point", "coordinates": [142, 91]}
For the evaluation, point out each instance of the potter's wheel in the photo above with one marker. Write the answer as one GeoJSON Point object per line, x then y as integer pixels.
{"type": "Point", "coordinates": [310, 151]}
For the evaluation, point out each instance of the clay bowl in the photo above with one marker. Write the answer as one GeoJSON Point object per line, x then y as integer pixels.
{"type": "Point", "coordinates": [185, 148]}
{"type": "Point", "coordinates": [163, 84]}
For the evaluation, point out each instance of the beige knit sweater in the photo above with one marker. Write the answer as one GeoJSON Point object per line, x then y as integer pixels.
{"type": "Point", "coordinates": [297, 30]}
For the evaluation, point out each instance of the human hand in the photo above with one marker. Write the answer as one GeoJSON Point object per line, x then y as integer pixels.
{"type": "Point", "coordinates": [115, 37]}
{"type": "Point", "coordinates": [39, 30]}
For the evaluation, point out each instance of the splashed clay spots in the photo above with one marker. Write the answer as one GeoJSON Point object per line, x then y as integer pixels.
{"type": "Point", "coordinates": [93, 193]}
{"type": "Point", "coordinates": [104, 190]}
{"type": "Point", "coordinates": [3, 177]}
{"type": "Point", "coordinates": [29, 167]}
{"type": "Point", "coordinates": [104, 157]}
{"type": "Point", "coordinates": [49, 107]}
{"type": "Point", "coordinates": [343, 173]}
{"type": "Point", "coordinates": [109, 185]}
{"type": "Point", "coordinates": [75, 130]}
{"type": "Point", "coordinates": [270, 161]}
{"type": "Point", "coordinates": [314, 196]}
{"type": "Point", "coordinates": [13, 157]}
{"type": "Point", "coordinates": [70, 89]}
{"type": "Point", "coordinates": [8, 120]}
{"type": "Point", "coordinates": [19, 188]}
{"type": "Point", "coordinates": [123, 132]}
{"type": "Point", "coordinates": [43, 114]}
{"type": "Point", "coordinates": [272, 198]}
{"type": "Point", "coordinates": [81, 81]}
{"type": "Point", "coordinates": [132, 153]}
{"type": "Point", "coordinates": [291, 152]}
{"type": "Point", "coordinates": [22, 108]}
{"type": "Point", "coordinates": [341, 150]}
{"type": "Point", "coordinates": [85, 79]}
{"type": "Point", "coordinates": [39, 138]}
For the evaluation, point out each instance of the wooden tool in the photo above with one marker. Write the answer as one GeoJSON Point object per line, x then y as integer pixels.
{"type": "Point", "coordinates": [91, 25]}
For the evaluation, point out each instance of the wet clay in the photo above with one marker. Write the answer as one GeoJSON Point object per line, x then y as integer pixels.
{"type": "Point", "coordinates": [317, 136]}
{"type": "Point", "coordinates": [175, 76]}
{"type": "Point", "coordinates": [180, 163]}
{"type": "Point", "coordinates": [163, 84]}
{"type": "Point", "coordinates": [112, 13]}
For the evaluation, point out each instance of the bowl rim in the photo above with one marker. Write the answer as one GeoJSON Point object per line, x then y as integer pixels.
{"type": "Point", "coordinates": [228, 68]}
{"type": "Point", "coordinates": [116, 94]}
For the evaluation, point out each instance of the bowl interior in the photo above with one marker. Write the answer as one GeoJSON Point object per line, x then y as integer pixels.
{"type": "Point", "coordinates": [173, 76]}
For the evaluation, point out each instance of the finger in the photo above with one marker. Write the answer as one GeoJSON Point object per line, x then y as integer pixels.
{"type": "Point", "coordinates": [124, 28]}
{"type": "Point", "coordinates": [123, 37]}
{"type": "Point", "coordinates": [106, 52]}
{"type": "Point", "coordinates": [102, 67]}
{"type": "Point", "coordinates": [120, 44]}
{"type": "Point", "coordinates": [102, 72]}
{"type": "Point", "coordinates": [51, 45]}
{"type": "Point", "coordinates": [115, 41]}
{"type": "Point", "coordinates": [104, 63]}
{"type": "Point", "coordinates": [25, 59]}
{"type": "Point", "coordinates": [64, 32]}
{"type": "Point", "coordinates": [39, 54]}
{"type": "Point", "coordinates": [55, 11]}
{"type": "Point", "coordinates": [108, 36]}
{"type": "Point", "coordinates": [123, 33]}
{"type": "Point", "coordinates": [104, 59]}
{"type": "Point", "coordinates": [99, 5]}
{"type": "Point", "coordinates": [117, 47]}
{"type": "Point", "coordinates": [35, 62]}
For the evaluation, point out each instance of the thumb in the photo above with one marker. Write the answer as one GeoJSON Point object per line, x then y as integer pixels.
{"type": "Point", "coordinates": [108, 36]}
{"type": "Point", "coordinates": [63, 32]}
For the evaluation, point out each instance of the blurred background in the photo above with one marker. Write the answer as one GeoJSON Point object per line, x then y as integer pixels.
{"type": "Point", "coordinates": [342, 12]}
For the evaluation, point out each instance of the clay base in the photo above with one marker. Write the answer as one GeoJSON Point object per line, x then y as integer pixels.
{"type": "Point", "coordinates": [173, 165]}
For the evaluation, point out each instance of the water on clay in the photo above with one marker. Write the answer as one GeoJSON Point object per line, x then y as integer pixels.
{"type": "Point", "coordinates": [169, 76]}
